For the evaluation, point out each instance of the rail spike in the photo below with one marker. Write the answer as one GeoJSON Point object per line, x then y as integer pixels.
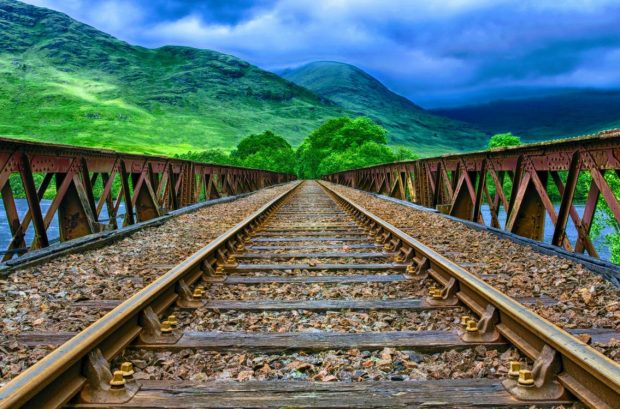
{"type": "Point", "coordinates": [98, 388]}
{"type": "Point", "coordinates": [544, 373]}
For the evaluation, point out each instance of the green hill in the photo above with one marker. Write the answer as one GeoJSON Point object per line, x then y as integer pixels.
{"type": "Point", "coordinates": [66, 82]}
{"type": "Point", "coordinates": [408, 124]}
{"type": "Point", "coordinates": [543, 118]}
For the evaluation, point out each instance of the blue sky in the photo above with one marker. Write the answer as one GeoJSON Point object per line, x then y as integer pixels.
{"type": "Point", "coordinates": [437, 53]}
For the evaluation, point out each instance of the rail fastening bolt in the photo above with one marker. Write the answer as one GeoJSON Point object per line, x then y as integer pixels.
{"type": "Point", "coordinates": [172, 319]}
{"type": "Point", "coordinates": [166, 328]}
{"type": "Point", "coordinates": [197, 294]}
{"type": "Point", "coordinates": [436, 295]}
{"type": "Point", "coordinates": [117, 381]}
{"type": "Point", "coordinates": [464, 319]}
{"type": "Point", "coordinates": [526, 378]}
{"type": "Point", "coordinates": [127, 370]}
{"type": "Point", "coordinates": [472, 326]}
{"type": "Point", "coordinates": [515, 367]}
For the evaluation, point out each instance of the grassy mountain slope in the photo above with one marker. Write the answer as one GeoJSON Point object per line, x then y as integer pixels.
{"type": "Point", "coordinates": [409, 124]}
{"type": "Point", "coordinates": [543, 118]}
{"type": "Point", "coordinates": [64, 81]}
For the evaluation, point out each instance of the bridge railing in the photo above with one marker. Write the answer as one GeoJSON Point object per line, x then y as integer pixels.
{"type": "Point", "coordinates": [91, 190]}
{"type": "Point", "coordinates": [517, 184]}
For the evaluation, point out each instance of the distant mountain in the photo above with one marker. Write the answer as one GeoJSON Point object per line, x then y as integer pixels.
{"type": "Point", "coordinates": [362, 94]}
{"type": "Point", "coordinates": [64, 81]}
{"type": "Point", "coordinates": [548, 117]}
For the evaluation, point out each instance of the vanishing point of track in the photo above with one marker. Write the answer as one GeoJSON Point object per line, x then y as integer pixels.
{"type": "Point", "coordinates": [307, 236]}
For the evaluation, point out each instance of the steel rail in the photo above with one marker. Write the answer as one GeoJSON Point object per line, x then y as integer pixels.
{"type": "Point", "coordinates": [58, 377]}
{"type": "Point", "coordinates": [588, 374]}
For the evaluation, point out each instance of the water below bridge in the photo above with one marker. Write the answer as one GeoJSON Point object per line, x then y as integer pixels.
{"type": "Point", "coordinates": [53, 232]}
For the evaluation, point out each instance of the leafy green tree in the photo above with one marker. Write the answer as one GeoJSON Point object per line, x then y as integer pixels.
{"type": "Point", "coordinates": [345, 143]}
{"type": "Point", "coordinates": [605, 221]}
{"type": "Point", "coordinates": [265, 151]}
{"type": "Point", "coordinates": [262, 142]}
{"type": "Point", "coordinates": [501, 140]}
{"type": "Point", "coordinates": [216, 156]}
{"type": "Point", "coordinates": [498, 141]}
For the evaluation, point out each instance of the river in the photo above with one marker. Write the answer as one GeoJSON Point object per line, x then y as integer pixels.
{"type": "Point", "coordinates": [53, 232]}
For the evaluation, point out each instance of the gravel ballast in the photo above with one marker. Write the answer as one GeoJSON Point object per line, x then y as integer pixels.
{"type": "Point", "coordinates": [586, 300]}
{"type": "Point", "coordinates": [36, 298]}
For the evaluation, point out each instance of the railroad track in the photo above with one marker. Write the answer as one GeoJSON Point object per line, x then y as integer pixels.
{"type": "Point", "coordinates": [311, 256]}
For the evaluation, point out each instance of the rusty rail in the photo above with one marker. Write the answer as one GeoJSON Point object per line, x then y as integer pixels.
{"type": "Point", "coordinates": [460, 184]}
{"type": "Point", "coordinates": [562, 359]}
{"type": "Point", "coordinates": [82, 182]}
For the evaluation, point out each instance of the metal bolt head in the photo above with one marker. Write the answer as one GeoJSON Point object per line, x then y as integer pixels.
{"type": "Point", "coordinates": [472, 326]}
{"type": "Point", "coordinates": [515, 367]}
{"type": "Point", "coordinates": [436, 295]}
{"type": "Point", "coordinates": [117, 382]}
{"type": "Point", "coordinates": [464, 319]}
{"type": "Point", "coordinates": [166, 328]}
{"type": "Point", "coordinates": [172, 319]}
{"type": "Point", "coordinates": [526, 378]}
{"type": "Point", "coordinates": [127, 369]}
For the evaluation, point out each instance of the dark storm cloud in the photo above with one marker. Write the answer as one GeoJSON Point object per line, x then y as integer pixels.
{"type": "Point", "coordinates": [436, 53]}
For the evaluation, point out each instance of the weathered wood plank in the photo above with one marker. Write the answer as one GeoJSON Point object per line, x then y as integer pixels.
{"type": "Point", "coordinates": [456, 393]}
{"type": "Point", "coordinates": [342, 254]}
{"type": "Point", "coordinates": [362, 278]}
{"type": "Point", "coordinates": [415, 304]}
{"type": "Point", "coordinates": [240, 268]}
{"type": "Point", "coordinates": [421, 341]}
{"type": "Point", "coordinates": [418, 340]}
{"type": "Point", "coordinates": [317, 233]}
{"type": "Point", "coordinates": [292, 239]}
{"type": "Point", "coordinates": [320, 305]}
{"type": "Point", "coordinates": [316, 246]}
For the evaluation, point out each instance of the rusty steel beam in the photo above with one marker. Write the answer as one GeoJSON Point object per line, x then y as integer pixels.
{"type": "Point", "coordinates": [147, 186]}
{"type": "Point", "coordinates": [460, 184]}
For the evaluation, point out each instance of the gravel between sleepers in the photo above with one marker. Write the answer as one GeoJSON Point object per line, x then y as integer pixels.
{"type": "Point", "coordinates": [585, 299]}
{"type": "Point", "coordinates": [203, 319]}
{"type": "Point", "coordinates": [318, 291]}
{"type": "Point", "coordinates": [36, 298]}
{"type": "Point", "coordinates": [350, 365]}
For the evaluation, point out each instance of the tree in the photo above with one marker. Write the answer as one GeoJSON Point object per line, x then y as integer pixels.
{"type": "Point", "coordinates": [504, 139]}
{"type": "Point", "coordinates": [345, 143]}
{"type": "Point", "coordinates": [265, 151]}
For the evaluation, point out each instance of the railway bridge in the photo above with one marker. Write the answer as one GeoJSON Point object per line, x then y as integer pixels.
{"type": "Point", "coordinates": [473, 280]}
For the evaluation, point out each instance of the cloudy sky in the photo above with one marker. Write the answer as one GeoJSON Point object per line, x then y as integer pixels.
{"type": "Point", "coordinates": [436, 52]}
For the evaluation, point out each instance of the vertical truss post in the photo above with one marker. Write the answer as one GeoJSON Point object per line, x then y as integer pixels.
{"type": "Point", "coordinates": [30, 190]}
{"type": "Point", "coordinates": [559, 233]}
{"type": "Point", "coordinates": [129, 219]}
